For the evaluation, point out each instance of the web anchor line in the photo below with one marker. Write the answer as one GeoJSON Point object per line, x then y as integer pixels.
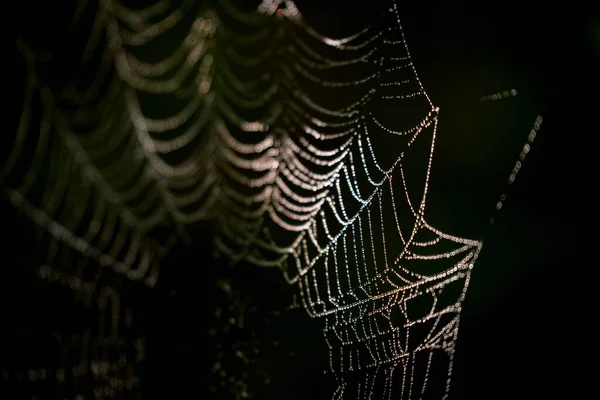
{"type": "Point", "coordinates": [519, 163]}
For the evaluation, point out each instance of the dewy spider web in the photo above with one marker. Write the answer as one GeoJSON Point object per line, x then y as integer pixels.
{"type": "Point", "coordinates": [279, 134]}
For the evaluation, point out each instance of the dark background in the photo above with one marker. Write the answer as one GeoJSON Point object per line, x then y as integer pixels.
{"type": "Point", "coordinates": [524, 327]}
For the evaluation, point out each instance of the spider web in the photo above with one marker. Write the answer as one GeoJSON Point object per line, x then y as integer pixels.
{"type": "Point", "coordinates": [278, 134]}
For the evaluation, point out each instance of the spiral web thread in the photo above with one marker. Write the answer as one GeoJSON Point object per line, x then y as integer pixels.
{"type": "Point", "coordinates": [277, 133]}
